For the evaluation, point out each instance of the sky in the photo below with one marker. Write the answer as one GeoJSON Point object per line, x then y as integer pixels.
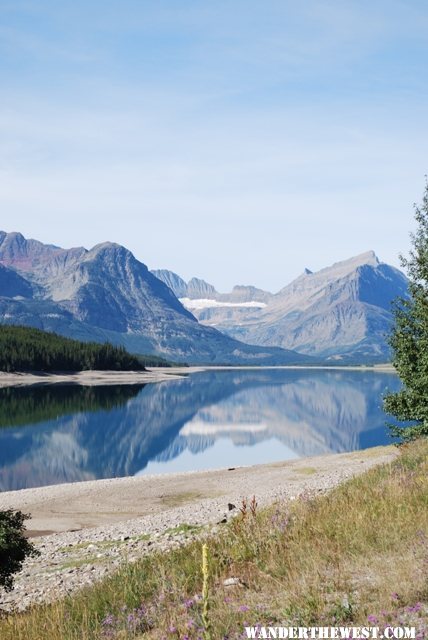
{"type": "Point", "coordinates": [235, 140]}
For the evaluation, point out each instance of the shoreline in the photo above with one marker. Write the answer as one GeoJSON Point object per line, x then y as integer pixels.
{"type": "Point", "coordinates": [88, 378]}
{"type": "Point", "coordinates": [77, 506]}
{"type": "Point", "coordinates": [86, 530]}
{"type": "Point", "coordinates": [158, 374]}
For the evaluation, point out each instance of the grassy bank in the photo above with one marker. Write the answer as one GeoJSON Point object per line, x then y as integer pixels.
{"type": "Point", "coordinates": [357, 555]}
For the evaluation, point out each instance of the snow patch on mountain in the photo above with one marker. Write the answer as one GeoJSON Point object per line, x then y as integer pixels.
{"type": "Point", "coordinates": [206, 303]}
{"type": "Point", "coordinates": [342, 312]}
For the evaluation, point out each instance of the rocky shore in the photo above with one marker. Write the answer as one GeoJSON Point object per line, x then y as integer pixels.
{"type": "Point", "coordinates": [156, 374]}
{"type": "Point", "coordinates": [99, 525]}
{"type": "Point", "coordinates": [89, 378]}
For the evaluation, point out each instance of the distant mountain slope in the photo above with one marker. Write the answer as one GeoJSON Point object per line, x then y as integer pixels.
{"type": "Point", "coordinates": [177, 285]}
{"type": "Point", "coordinates": [198, 290]}
{"type": "Point", "coordinates": [106, 294]}
{"type": "Point", "coordinates": [13, 285]}
{"type": "Point", "coordinates": [342, 312]}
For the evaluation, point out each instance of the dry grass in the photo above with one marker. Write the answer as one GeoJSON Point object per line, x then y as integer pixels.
{"type": "Point", "coordinates": [305, 471]}
{"type": "Point", "coordinates": [178, 499]}
{"type": "Point", "coordinates": [359, 552]}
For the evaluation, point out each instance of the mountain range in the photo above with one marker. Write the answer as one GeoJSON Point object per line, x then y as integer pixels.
{"type": "Point", "coordinates": [106, 294]}
{"type": "Point", "coordinates": [340, 313]}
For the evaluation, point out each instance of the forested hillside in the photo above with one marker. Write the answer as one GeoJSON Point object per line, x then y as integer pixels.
{"type": "Point", "coordinates": [27, 349]}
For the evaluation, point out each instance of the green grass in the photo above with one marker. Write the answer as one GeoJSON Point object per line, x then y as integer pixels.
{"type": "Point", "coordinates": [306, 471]}
{"type": "Point", "coordinates": [102, 544]}
{"type": "Point", "coordinates": [77, 562]}
{"type": "Point", "coordinates": [358, 551]}
{"type": "Point", "coordinates": [177, 499]}
{"type": "Point", "coordinates": [184, 528]}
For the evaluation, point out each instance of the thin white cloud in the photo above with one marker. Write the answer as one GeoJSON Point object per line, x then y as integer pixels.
{"type": "Point", "coordinates": [250, 138]}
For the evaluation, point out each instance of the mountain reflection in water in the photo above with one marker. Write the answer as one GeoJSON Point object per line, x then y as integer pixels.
{"type": "Point", "coordinates": [54, 434]}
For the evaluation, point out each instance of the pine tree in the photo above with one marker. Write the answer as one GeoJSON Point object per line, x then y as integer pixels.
{"type": "Point", "coordinates": [409, 337]}
{"type": "Point", "coordinates": [28, 349]}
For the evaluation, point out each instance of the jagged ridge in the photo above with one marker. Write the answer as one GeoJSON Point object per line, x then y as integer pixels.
{"type": "Point", "coordinates": [342, 312]}
{"type": "Point", "coordinates": [106, 294]}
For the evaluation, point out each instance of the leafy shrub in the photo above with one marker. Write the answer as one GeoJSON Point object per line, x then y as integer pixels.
{"type": "Point", "coordinates": [14, 547]}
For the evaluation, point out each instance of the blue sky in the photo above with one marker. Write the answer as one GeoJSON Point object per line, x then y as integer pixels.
{"type": "Point", "coordinates": [238, 141]}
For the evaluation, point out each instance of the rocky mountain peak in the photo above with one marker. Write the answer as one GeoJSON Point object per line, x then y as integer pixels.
{"type": "Point", "coordinates": [177, 285]}
{"type": "Point", "coordinates": [198, 288]}
{"type": "Point", "coordinates": [108, 247]}
{"type": "Point", "coordinates": [118, 262]}
{"type": "Point", "coordinates": [107, 294]}
{"type": "Point", "coordinates": [318, 280]}
{"type": "Point", "coordinates": [247, 293]}
{"type": "Point", "coordinates": [108, 251]}
{"type": "Point", "coordinates": [367, 258]}
{"type": "Point", "coordinates": [343, 310]}
{"type": "Point", "coordinates": [12, 237]}
{"type": "Point", "coordinates": [27, 255]}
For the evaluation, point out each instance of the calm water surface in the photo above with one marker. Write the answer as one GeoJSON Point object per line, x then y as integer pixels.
{"type": "Point", "coordinates": [52, 434]}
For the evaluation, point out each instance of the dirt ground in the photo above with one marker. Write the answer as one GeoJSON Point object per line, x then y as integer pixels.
{"type": "Point", "coordinates": [76, 506]}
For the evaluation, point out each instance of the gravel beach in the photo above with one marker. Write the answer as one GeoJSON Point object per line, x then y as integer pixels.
{"type": "Point", "coordinates": [90, 378]}
{"type": "Point", "coordinates": [85, 530]}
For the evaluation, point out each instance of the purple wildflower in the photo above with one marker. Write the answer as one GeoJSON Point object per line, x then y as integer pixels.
{"type": "Point", "coordinates": [189, 603]}
{"type": "Point", "coordinates": [243, 608]}
{"type": "Point", "coordinates": [109, 620]}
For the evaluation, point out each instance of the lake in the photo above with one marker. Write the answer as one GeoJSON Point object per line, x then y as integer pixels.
{"type": "Point", "coordinates": [66, 433]}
